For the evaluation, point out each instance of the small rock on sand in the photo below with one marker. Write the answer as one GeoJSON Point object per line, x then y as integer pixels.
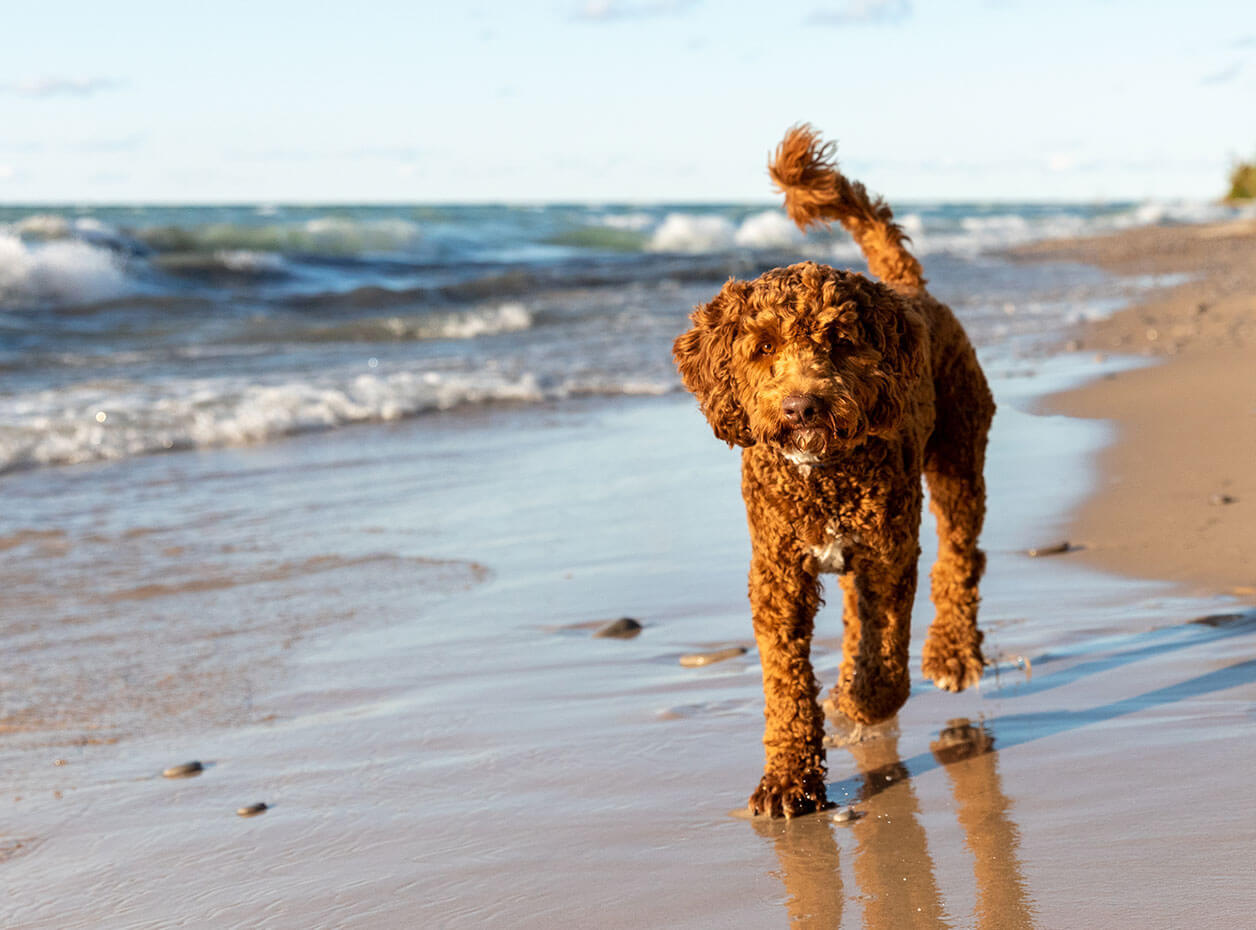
{"type": "Point", "coordinates": [699, 659]}
{"type": "Point", "coordinates": [252, 810]}
{"type": "Point", "coordinates": [185, 770]}
{"type": "Point", "coordinates": [845, 815]}
{"type": "Point", "coordinates": [1059, 548]}
{"type": "Point", "coordinates": [623, 628]}
{"type": "Point", "coordinates": [1218, 500]}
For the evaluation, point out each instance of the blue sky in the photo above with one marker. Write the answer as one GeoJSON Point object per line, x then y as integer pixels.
{"type": "Point", "coordinates": [620, 100]}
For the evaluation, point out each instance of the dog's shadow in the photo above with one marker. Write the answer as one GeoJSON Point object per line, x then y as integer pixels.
{"type": "Point", "coordinates": [897, 884]}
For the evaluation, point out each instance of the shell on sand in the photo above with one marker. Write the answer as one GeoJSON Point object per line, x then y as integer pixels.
{"type": "Point", "coordinates": [699, 659]}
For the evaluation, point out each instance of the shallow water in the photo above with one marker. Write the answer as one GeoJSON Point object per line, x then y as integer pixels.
{"type": "Point", "coordinates": [127, 331]}
{"type": "Point", "coordinates": [348, 627]}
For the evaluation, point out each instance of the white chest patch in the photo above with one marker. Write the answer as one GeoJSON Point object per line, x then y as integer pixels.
{"type": "Point", "coordinates": [801, 459]}
{"type": "Point", "coordinates": [828, 554]}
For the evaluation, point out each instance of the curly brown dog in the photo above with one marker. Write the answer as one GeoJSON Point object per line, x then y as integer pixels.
{"type": "Point", "coordinates": [842, 391]}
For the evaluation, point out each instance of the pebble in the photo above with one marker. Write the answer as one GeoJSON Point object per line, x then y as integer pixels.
{"type": "Point", "coordinates": [186, 770]}
{"type": "Point", "coordinates": [845, 815]}
{"type": "Point", "coordinates": [1218, 500]}
{"type": "Point", "coordinates": [699, 659]}
{"type": "Point", "coordinates": [623, 628]}
{"type": "Point", "coordinates": [252, 810]}
{"type": "Point", "coordinates": [1053, 549]}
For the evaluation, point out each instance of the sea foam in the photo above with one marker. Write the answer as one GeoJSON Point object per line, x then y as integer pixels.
{"type": "Point", "coordinates": [695, 233]}
{"type": "Point", "coordinates": [57, 269]}
{"type": "Point", "coordinates": [120, 419]}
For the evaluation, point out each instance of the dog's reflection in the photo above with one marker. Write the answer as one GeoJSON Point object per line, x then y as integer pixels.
{"type": "Point", "coordinates": [897, 886]}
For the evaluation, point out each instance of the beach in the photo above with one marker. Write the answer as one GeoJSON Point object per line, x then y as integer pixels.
{"type": "Point", "coordinates": [1186, 425]}
{"type": "Point", "coordinates": [365, 596]}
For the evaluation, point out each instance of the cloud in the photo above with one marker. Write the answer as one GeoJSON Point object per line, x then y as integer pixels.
{"type": "Point", "coordinates": [862, 13]}
{"type": "Point", "coordinates": [108, 146]}
{"type": "Point", "coordinates": [1061, 162]}
{"type": "Point", "coordinates": [601, 11]}
{"type": "Point", "coordinates": [6, 172]}
{"type": "Point", "coordinates": [61, 86]}
{"type": "Point", "coordinates": [385, 152]}
{"type": "Point", "coordinates": [1224, 76]}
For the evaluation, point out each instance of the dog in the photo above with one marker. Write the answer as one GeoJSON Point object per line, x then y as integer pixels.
{"type": "Point", "coordinates": [842, 392]}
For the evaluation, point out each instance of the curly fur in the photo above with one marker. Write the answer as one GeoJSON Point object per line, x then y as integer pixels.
{"type": "Point", "coordinates": [893, 391]}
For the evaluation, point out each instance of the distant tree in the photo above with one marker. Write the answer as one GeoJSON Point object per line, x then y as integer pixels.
{"type": "Point", "coordinates": [1243, 181]}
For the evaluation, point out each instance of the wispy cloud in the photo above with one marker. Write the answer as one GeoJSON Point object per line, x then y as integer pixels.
{"type": "Point", "coordinates": [1224, 76]}
{"type": "Point", "coordinates": [862, 12]}
{"type": "Point", "coordinates": [61, 86]}
{"type": "Point", "coordinates": [110, 145]}
{"type": "Point", "coordinates": [6, 172]}
{"type": "Point", "coordinates": [602, 11]}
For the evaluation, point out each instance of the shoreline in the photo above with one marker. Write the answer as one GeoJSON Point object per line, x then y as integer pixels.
{"type": "Point", "coordinates": [1175, 488]}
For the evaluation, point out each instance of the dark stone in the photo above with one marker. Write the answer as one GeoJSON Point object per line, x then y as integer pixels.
{"type": "Point", "coordinates": [1054, 549]}
{"type": "Point", "coordinates": [623, 628]}
{"type": "Point", "coordinates": [186, 770]}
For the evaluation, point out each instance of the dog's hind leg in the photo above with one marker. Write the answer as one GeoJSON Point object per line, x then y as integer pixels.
{"type": "Point", "coordinates": [879, 589]}
{"type": "Point", "coordinates": [954, 460]}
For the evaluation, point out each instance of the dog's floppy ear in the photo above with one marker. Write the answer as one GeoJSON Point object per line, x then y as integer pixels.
{"type": "Point", "coordinates": [704, 356]}
{"type": "Point", "coordinates": [899, 333]}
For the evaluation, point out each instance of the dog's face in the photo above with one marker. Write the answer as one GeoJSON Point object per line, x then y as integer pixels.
{"type": "Point", "coordinates": [807, 359]}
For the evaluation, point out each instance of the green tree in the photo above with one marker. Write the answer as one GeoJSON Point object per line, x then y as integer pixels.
{"type": "Point", "coordinates": [1243, 181]}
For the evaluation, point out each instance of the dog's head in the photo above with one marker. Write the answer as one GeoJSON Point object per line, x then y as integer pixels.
{"type": "Point", "coordinates": [806, 358]}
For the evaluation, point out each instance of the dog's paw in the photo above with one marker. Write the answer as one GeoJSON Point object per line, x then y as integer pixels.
{"type": "Point", "coordinates": [954, 671]}
{"type": "Point", "coordinates": [789, 794]}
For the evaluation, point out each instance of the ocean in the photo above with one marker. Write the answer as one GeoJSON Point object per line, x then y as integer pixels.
{"type": "Point", "coordinates": [133, 330]}
{"type": "Point", "coordinates": [417, 454]}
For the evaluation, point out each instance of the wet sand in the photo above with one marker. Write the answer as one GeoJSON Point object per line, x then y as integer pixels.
{"type": "Point", "coordinates": [1177, 487]}
{"type": "Point", "coordinates": [347, 627]}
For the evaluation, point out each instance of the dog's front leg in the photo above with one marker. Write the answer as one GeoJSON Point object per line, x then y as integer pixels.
{"type": "Point", "coordinates": [879, 587]}
{"type": "Point", "coordinates": [783, 600]}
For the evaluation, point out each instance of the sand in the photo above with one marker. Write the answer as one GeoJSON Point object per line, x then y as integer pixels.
{"type": "Point", "coordinates": [1177, 491]}
{"type": "Point", "coordinates": [384, 633]}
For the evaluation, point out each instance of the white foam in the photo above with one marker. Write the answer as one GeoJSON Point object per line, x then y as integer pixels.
{"type": "Point", "coordinates": [62, 269]}
{"type": "Point", "coordinates": [249, 261]}
{"type": "Point", "coordinates": [686, 232]}
{"type": "Point", "coordinates": [506, 318]}
{"type": "Point", "coordinates": [634, 222]}
{"type": "Point", "coordinates": [341, 234]}
{"type": "Point", "coordinates": [42, 226]}
{"type": "Point", "coordinates": [770, 229]}
{"type": "Point", "coordinates": [115, 420]}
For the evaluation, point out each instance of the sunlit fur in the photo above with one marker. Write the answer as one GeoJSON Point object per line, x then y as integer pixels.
{"type": "Point", "coordinates": [900, 395]}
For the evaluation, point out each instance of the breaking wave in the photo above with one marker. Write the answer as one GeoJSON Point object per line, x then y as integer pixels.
{"type": "Point", "coordinates": [98, 423]}
{"type": "Point", "coordinates": [328, 235]}
{"type": "Point", "coordinates": [696, 233]}
{"type": "Point", "coordinates": [54, 268]}
{"type": "Point", "coordinates": [465, 324]}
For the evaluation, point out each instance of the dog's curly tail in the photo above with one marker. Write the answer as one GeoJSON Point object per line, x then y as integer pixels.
{"type": "Point", "coordinates": [816, 192]}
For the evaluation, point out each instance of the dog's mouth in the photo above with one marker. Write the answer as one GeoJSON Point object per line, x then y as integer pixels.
{"type": "Point", "coordinates": [813, 444]}
{"type": "Point", "coordinates": [805, 445]}
{"type": "Point", "coordinates": [810, 440]}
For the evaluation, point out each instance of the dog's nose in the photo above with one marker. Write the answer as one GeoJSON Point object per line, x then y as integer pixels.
{"type": "Point", "coordinates": [801, 409]}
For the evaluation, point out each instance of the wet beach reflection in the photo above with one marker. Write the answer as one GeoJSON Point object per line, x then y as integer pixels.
{"type": "Point", "coordinates": [893, 868]}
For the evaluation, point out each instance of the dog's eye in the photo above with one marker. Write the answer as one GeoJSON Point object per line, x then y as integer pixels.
{"type": "Point", "coordinates": [766, 347]}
